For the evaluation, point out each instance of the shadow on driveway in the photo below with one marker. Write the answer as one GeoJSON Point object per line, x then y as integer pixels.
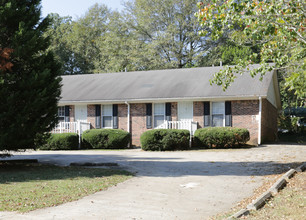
{"type": "Point", "coordinates": [168, 166]}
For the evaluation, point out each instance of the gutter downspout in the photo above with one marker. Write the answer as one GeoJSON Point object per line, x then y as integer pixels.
{"type": "Point", "coordinates": [259, 121]}
{"type": "Point", "coordinates": [128, 119]}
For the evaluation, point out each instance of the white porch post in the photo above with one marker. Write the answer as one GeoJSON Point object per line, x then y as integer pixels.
{"type": "Point", "coordinates": [128, 120]}
{"type": "Point", "coordinates": [79, 133]}
{"type": "Point", "coordinates": [259, 122]}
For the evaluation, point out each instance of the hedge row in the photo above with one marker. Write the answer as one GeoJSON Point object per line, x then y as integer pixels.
{"type": "Point", "coordinates": [64, 141]}
{"type": "Point", "coordinates": [165, 139]}
{"type": "Point", "coordinates": [106, 139]}
{"type": "Point", "coordinates": [221, 137]}
{"type": "Point", "coordinates": [91, 139]}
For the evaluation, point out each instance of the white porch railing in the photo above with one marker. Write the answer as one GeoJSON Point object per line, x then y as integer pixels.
{"type": "Point", "coordinates": [188, 125]}
{"type": "Point", "coordinates": [72, 127]}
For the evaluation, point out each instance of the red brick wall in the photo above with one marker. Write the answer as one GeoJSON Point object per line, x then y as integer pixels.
{"type": "Point", "coordinates": [244, 116]}
{"type": "Point", "coordinates": [268, 121]}
{"type": "Point", "coordinates": [122, 116]}
{"type": "Point", "coordinates": [91, 115]}
{"type": "Point", "coordinates": [198, 111]}
{"type": "Point", "coordinates": [138, 122]}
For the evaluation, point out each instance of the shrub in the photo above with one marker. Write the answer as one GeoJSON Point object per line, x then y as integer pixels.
{"type": "Point", "coordinates": [165, 139]}
{"type": "Point", "coordinates": [221, 137]}
{"type": "Point", "coordinates": [106, 139]}
{"type": "Point", "coordinates": [64, 141]}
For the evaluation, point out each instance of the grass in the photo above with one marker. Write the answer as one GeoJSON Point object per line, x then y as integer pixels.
{"type": "Point", "coordinates": [288, 204]}
{"type": "Point", "coordinates": [26, 187]}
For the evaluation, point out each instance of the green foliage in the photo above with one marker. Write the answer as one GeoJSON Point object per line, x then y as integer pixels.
{"type": "Point", "coordinates": [278, 26]}
{"type": "Point", "coordinates": [106, 139]}
{"type": "Point", "coordinates": [165, 139]}
{"type": "Point", "coordinates": [29, 76]}
{"type": "Point", "coordinates": [145, 35]}
{"type": "Point", "coordinates": [227, 54]}
{"type": "Point", "coordinates": [77, 44]}
{"type": "Point", "coordinates": [221, 137]}
{"type": "Point", "coordinates": [64, 141]}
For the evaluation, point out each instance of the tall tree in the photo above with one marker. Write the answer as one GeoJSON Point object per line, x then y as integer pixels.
{"type": "Point", "coordinates": [169, 30]}
{"type": "Point", "coordinates": [29, 78]}
{"type": "Point", "coordinates": [278, 26]}
{"type": "Point", "coordinates": [77, 44]}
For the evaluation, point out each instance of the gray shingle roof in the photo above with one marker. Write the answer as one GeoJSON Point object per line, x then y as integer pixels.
{"type": "Point", "coordinates": [158, 84]}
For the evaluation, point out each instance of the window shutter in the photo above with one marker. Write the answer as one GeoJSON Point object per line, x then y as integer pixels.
{"type": "Point", "coordinates": [149, 115]}
{"type": "Point", "coordinates": [206, 114]}
{"type": "Point", "coordinates": [98, 116]}
{"type": "Point", "coordinates": [67, 116]}
{"type": "Point", "coordinates": [228, 114]}
{"type": "Point", "coordinates": [168, 111]}
{"type": "Point", "coordinates": [115, 116]}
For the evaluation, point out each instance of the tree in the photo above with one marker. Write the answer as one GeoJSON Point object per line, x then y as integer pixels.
{"type": "Point", "coordinates": [30, 84]}
{"type": "Point", "coordinates": [278, 27]}
{"type": "Point", "coordinates": [77, 43]}
{"type": "Point", "coordinates": [168, 32]}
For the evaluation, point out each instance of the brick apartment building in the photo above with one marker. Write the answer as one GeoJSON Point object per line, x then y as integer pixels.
{"type": "Point", "coordinates": [138, 101]}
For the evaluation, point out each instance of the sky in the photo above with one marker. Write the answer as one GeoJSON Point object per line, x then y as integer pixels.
{"type": "Point", "coordinates": [75, 8]}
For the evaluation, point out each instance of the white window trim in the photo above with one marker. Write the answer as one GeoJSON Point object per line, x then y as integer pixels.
{"type": "Point", "coordinates": [102, 116]}
{"type": "Point", "coordinates": [58, 111]}
{"type": "Point", "coordinates": [153, 112]}
{"type": "Point", "coordinates": [211, 114]}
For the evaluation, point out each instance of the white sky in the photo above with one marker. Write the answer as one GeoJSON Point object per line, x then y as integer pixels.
{"type": "Point", "coordinates": [75, 8]}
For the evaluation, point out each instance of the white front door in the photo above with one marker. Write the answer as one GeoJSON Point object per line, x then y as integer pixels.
{"type": "Point", "coordinates": [81, 116]}
{"type": "Point", "coordinates": [185, 111]}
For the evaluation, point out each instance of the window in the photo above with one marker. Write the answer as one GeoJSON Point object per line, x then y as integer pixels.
{"type": "Point", "coordinates": [107, 116]}
{"type": "Point", "coordinates": [159, 114]}
{"type": "Point", "coordinates": [218, 111]}
{"type": "Point", "coordinates": [61, 113]}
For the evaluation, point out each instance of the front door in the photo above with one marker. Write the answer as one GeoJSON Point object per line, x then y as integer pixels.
{"type": "Point", "coordinates": [185, 111]}
{"type": "Point", "coordinates": [81, 115]}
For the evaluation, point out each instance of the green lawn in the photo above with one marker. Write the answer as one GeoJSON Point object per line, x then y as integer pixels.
{"type": "Point", "coordinates": [25, 187]}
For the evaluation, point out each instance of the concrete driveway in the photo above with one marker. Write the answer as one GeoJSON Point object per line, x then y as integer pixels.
{"type": "Point", "coordinates": [169, 185]}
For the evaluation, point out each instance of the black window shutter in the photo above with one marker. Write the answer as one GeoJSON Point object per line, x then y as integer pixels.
{"type": "Point", "coordinates": [228, 114]}
{"type": "Point", "coordinates": [67, 116]}
{"type": "Point", "coordinates": [98, 116]}
{"type": "Point", "coordinates": [115, 116]}
{"type": "Point", "coordinates": [149, 115]}
{"type": "Point", "coordinates": [206, 114]}
{"type": "Point", "coordinates": [168, 111]}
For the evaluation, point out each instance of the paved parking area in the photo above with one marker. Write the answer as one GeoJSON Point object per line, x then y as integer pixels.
{"type": "Point", "coordinates": [169, 185]}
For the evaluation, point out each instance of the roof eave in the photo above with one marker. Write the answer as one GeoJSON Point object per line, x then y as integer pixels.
{"type": "Point", "coordinates": [211, 98]}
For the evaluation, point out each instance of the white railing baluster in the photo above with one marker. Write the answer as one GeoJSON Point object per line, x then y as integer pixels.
{"type": "Point", "coordinates": [187, 124]}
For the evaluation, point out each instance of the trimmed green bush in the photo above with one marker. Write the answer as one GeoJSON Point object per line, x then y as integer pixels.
{"type": "Point", "coordinates": [64, 141]}
{"type": "Point", "coordinates": [165, 139]}
{"type": "Point", "coordinates": [221, 137]}
{"type": "Point", "coordinates": [106, 139]}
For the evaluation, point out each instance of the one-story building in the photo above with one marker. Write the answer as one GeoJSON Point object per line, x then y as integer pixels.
{"type": "Point", "coordinates": [143, 100]}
